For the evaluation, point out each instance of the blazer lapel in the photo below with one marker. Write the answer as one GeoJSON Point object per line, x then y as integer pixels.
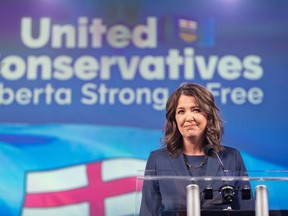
{"type": "Point", "coordinates": [213, 166]}
{"type": "Point", "coordinates": [213, 169]}
{"type": "Point", "coordinates": [179, 167]}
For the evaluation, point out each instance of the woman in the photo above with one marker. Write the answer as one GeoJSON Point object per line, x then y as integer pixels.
{"type": "Point", "coordinates": [192, 122]}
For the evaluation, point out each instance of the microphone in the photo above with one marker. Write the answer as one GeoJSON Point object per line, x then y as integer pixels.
{"type": "Point", "coordinates": [226, 190]}
{"type": "Point", "coordinates": [209, 151]}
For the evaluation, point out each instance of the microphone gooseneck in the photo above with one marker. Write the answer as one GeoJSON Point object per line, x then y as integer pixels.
{"type": "Point", "coordinates": [226, 190]}
{"type": "Point", "coordinates": [209, 151]}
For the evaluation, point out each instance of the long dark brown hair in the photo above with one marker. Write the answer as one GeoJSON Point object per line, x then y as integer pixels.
{"type": "Point", "coordinates": [214, 131]}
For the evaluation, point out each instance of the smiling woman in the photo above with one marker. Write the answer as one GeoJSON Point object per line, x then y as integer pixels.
{"type": "Point", "coordinates": [192, 102]}
{"type": "Point", "coordinates": [192, 123]}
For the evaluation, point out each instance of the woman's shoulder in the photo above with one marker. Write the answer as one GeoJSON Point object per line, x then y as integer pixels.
{"type": "Point", "coordinates": [160, 151]}
{"type": "Point", "coordinates": [161, 154]}
{"type": "Point", "coordinates": [156, 156]}
{"type": "Point", "coordinates": [229, 150]}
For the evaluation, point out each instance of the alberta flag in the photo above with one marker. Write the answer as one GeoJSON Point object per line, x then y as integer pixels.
{"type": "Point", "coordinates": [80, 170]}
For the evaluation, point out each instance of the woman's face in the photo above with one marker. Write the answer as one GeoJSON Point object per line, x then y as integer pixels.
{"type": "Point", "coordinates": [191, 121]}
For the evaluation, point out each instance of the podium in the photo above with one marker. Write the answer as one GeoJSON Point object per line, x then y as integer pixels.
{"type": "Point", "coordinates": [257, 193]}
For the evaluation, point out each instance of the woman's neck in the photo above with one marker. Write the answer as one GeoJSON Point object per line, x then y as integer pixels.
{"type": "Point", "coordinates": [193, 147]}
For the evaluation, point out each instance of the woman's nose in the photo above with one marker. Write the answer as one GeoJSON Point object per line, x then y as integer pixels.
{"type": "Point", "coordinates": [190, 116]}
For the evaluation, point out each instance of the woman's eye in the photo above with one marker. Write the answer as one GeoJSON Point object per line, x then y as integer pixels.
{"type": "Point", "coordinates": [180, 111]}
{"type": "Point", "coordinates": [196, 110]}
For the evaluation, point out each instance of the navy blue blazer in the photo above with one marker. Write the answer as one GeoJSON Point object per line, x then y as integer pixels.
{"type": "Point", "coordinates": [170, 194]}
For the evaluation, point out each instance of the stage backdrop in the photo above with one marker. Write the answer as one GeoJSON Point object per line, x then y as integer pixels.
{"type": "Point", "coordinates": [83, 87]}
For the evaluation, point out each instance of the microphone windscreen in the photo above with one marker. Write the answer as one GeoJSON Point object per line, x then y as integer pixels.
{"type": "Point", "coordinates": [209, 150]}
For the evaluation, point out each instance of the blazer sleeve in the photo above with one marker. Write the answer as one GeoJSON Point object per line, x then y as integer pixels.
{"type": "Point", "coordinates": [151, 197]}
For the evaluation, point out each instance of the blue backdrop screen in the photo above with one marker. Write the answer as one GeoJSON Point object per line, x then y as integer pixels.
{"type": "Point", "coordinates": [83, 87]}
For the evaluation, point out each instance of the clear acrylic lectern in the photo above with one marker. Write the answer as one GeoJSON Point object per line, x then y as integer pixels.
{"type": "Point", "coordinates": [257, 193]}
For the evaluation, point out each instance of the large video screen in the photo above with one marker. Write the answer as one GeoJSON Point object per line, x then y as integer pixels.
{"type": "Point", "coordinates": [84, 84]}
